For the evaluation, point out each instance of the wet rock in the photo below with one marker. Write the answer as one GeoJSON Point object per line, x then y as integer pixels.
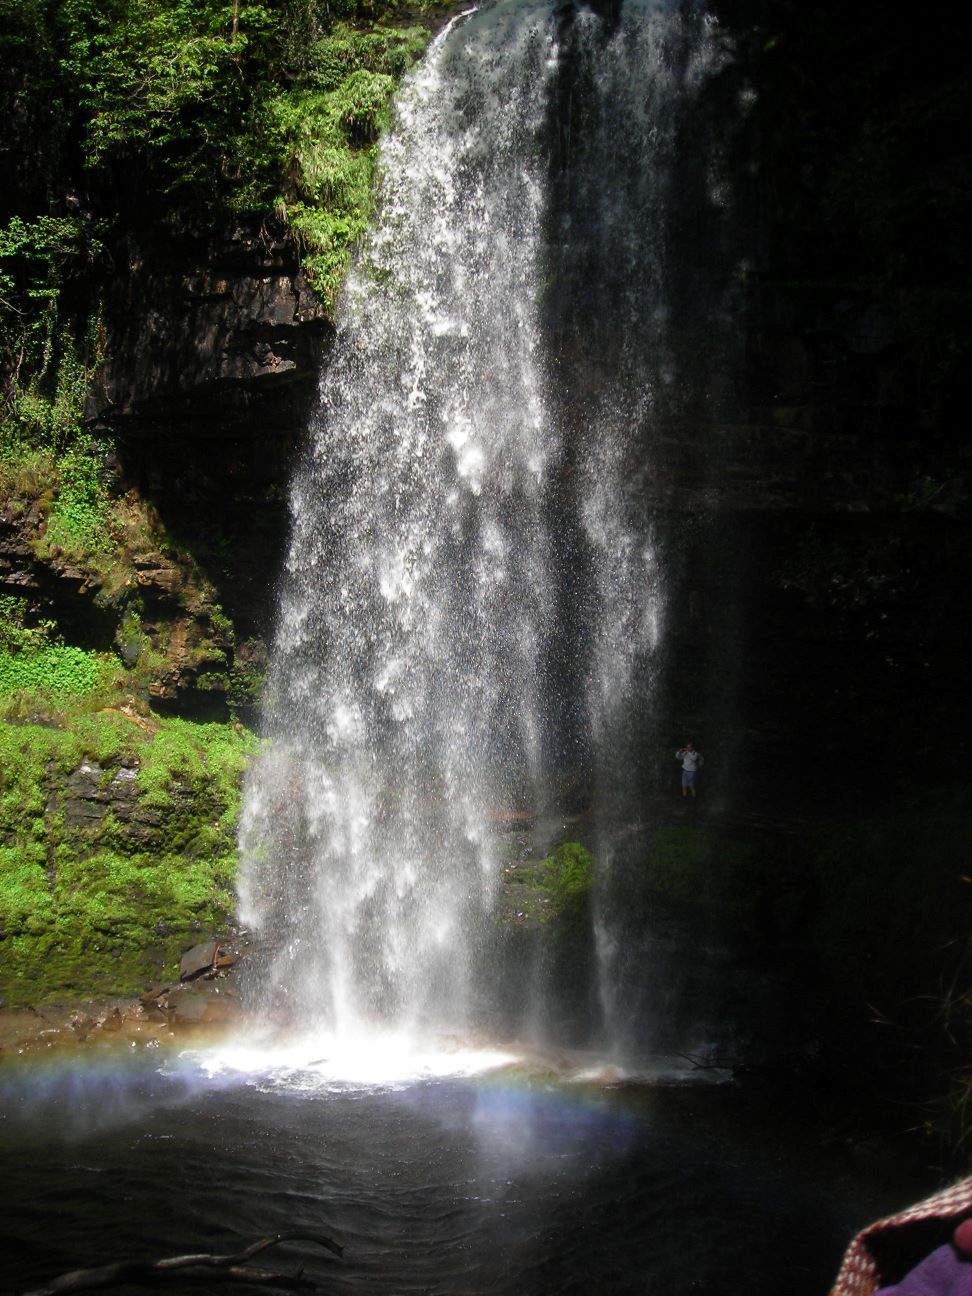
{"type": "Point", "coordinates": [82, 1024]}
{"type": "Point", "coordinates": [158, 575]}
{"type": "Point", "coordinates": [85, 798]}
{"type": "Point", "coordinates": [197, 960]}
{"type": "Point", "coordinates": [205, 1003]}
{"type": "Point", "coordinates": [187, 1008]}
{"type": "Point", "coordinates": [151, 996]}
{"type": "Point", "coordinates": [90, 791]}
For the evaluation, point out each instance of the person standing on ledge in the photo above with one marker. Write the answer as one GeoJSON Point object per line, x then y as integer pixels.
{"type": "Point", "coordinates": [692, 762]}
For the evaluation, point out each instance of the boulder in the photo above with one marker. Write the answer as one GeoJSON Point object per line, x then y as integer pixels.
{"type": "Point", "coordinates": [197, 960]}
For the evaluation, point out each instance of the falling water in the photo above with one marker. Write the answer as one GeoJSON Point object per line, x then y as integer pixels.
{"type": "Point", "coordinates": [472, 599]}
{"type": "Point", "coordinates": [641, 325]}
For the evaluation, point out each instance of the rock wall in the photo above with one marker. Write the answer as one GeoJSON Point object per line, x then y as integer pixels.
{"type": "Point", "coordinates": [117, 848]}
{"type": "Point", "coordinates": [210, 349]}
{"type": "Point", "coordinates": [816, 503]}
{"type": "Point", "coordinates": [212, 354]}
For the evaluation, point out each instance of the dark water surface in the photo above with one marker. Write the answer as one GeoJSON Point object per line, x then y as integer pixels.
{"type": "Point", "coordinates": [503, 1183]}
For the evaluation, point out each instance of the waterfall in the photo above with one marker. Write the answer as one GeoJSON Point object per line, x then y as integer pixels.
{"type": "Point", "coordinates": [471, 599]}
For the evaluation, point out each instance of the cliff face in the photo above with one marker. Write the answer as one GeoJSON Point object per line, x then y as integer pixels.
{"type": "Point", "coordinates": [210, 350]}
{"type": "Point", "coordinates": [843, 472]}
{"type": "Point", "coordinates": [213, 350]}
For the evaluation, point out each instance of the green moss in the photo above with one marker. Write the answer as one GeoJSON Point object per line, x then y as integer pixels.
{"type": "Point", "coordinates": [25, 898]}
{"type": "Point", "coordinates": [105, 904]}
{"type": "Point", "coordinates": [556, 888]}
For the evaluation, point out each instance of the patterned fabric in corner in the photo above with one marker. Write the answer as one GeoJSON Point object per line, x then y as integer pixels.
{"type": "Point", "coordinates": [859, 1274]}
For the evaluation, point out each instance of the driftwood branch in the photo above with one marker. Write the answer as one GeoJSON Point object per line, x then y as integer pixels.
{"type": "Point", "coordinates": [172, 1269]}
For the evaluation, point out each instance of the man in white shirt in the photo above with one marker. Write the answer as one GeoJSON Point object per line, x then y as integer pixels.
{"type": "Point", "coordinates": [692, 762]}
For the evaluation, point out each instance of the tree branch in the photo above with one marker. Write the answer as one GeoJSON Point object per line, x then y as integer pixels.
{"type": "Point", "coordinates": [170, 1269]}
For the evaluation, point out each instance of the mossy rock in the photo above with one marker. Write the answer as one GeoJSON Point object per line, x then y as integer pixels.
{"type": "Point", "coordinates": [104, 902]}
{"type": "Point", "coordinates": [550, 890]}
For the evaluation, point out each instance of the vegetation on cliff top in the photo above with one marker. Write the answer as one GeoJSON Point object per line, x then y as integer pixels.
{"type": "Point", "coordinates": [143, 114]}
{"type": "Point", "coordinates": [144, 120]}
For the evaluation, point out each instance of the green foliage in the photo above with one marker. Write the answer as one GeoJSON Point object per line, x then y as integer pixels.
{"type": "Point", "coordinates": [45, 414]}
{"type": "Point", "coordinates": [556, 888]}
{"type": "Point", "coordinates": [327, 242]}
{"type": "Point", "coordinates": [221, 623]}
{"type": "Point", "coordinates": [320, 46]}
{"type": "Point", "coordinates": [34, 255]}
{"type": "Point", "coordinates": [325, 130]}
{"type": "Point", "coordinates": [36, 668]}
{"type": "Point", "coordinates": [244, 687]}
{"type": "Point", "coordinates": [189, 91]}
{"type": "Point", "coordinates": [88, 905]}
{"type": "Point", "coordinates": [15, 634]}
{"type": "Point", "coordinates": [79, 520]}
{"type": "Point", "coordinates": [161, 79]}
{"type": "Point", "coordinates": [360, 102]}
{"type": "Point", "coordinates": [567, 874]}
{"type": "Point", "coordinates": [45, 377]}
{"type": "Point", "coordinates": [44, 450]}
{"type": "Point", "coordinates": [57, 673]}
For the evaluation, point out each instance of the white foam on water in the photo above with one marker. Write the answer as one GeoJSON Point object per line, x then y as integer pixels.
{"type": "Point", "coordinates": [320, 1060]}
